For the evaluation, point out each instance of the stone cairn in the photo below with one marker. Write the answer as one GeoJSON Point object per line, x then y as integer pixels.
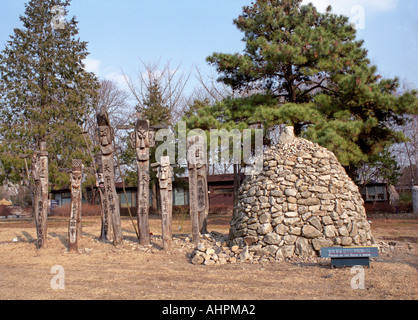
{"type": "Point", "coordinates": [302, 200]}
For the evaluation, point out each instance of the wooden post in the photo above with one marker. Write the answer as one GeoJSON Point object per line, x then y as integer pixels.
{"type": "Point", "coordinates": [165, 176]}
{"type": "Point", "coordinates": [111, 198]}
{"type": "Point", "coordinates": [194, 214]}
{"type": "Point", "coordinates": [198, 186]}
{"type": "Point", "coordinates": [141, 140]}
{"type": "Point", "coordinates": [74, 229]}
{"type": "Point", "coordinates": [40, 192]}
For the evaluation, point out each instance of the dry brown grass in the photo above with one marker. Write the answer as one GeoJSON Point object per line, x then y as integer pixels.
{"type": "Point", "coordinates": [101, 271]}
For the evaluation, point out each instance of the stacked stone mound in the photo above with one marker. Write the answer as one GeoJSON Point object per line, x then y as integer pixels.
{"type": "Point", "coordinates": [302, 200]}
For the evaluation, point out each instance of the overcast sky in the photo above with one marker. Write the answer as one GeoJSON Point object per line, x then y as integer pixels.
{"type": "Point", "coordinates": [187, 31]}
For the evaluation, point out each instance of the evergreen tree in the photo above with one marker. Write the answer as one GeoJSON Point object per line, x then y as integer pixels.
{"type": "Point", "coordinates": [290, 53]}
{"type": "Point", "coordinates": [45, 91]}
{"type": "Point", "coordinates": [153, 107]}
{"type": "Point", "coordinates": [309, 71]}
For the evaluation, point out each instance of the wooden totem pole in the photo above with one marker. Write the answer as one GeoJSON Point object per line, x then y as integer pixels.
{"type": "Point", "coordinates": [40, 192]}
{"type": "Point", "coordinates": [141, 140]}
{"type": "Point", "coordinates": [110, 201]}
{"type": "Point", "coordinates": [198, 186]}
{"type": "Point", "coordinates": [165, 179]}
{"type": "Point", "coordinates": [74, 229]}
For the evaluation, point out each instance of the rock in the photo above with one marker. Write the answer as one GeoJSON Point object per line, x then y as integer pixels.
{"type": "Point", "coordinates": [272, 249]}
{"type": "Point", "coordinates": [326, 220]}
{"type": "Point", "coordinates": [318, 189]}
{"type": "Point", "coordinates": [289, 239]}
{"type": "Point", "coordinates": [329, 231]}
{"type": "Point", "coordinates": [277, 221]}
{"type": "Point", "coordinates": [343, 231]}
{"type": "Point", "coordinates": [280, 229]}
{"type": "Point", "coordinates": [310, 232]}
{"type": "Point", "coordinates": [210, 251]}
{"type": "Point", "coordinates": [290, 192]}
{"type": "Point", "coordinates": [245, 254]}
{"type": "Point", "coordinates": [315, 222]}
{"type": "Point", "coordinates": [265, 218]}
{"type": "Point", "coordinates": [276, 193]}
{"type": "Point", "coordinates": [321, 243]}
{"type": "Point", "coordinates": [291, 221]}
{"type": "Point", "coordinates": [328, 207]}
{"type": "Point", "coordinates": [209, 263]}
{"type": "Point", "coordinates": [272, 238]}
{"type": "Point", "coordinates": [201, 247]}
{"type": "Point", "coordinates": [240, 233]}
{"type": "Point", "coordinates": [288, 251]}
{"type": "Point", "coordinates": [264, 228]}
{"type": "Point", "coordinates": [291, 214]}
{"type": "Point", "coordinates": [287, 136]}
{"type": "Point", "coordinates": [302, 247]}
{"type": "Point", "coordinates": [279, 254]}
{"type": "Point", "coordinates": [253, 226]}
{"type": "Point", "coordinates": [234, 249]}
{"type": "Point", "coordinates": [249, 240]}
{"type": "Point", "coordinates": [346, 241]}
{"type": "Point", "coordinates": [319, 155]}
{"type": "Point", "coordinates": [292, 207]}
{"type": "Point", "coordinates": [309, 201]}
{"type": "Point", "coordinates": [198, 259]}
{"type": "Point", "coordinates": [295, 231]}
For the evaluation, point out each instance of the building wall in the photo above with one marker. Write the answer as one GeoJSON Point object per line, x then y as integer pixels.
{"type": "Point", "coordinates": [221, 196]}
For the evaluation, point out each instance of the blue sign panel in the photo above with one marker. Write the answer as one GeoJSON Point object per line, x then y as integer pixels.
{"type": "Point", "coordinates": [350, 252]}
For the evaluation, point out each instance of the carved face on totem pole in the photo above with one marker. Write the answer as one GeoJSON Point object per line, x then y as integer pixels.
{"type": "Point", "coordinates": [105, 139]}
{"type": "Point", "coordinates": [165, 173]}
{"type": "Point", "coordinates": [196, 154]}
{"type": "Point", "coordinates": [142, 139]}
{"type": "Point", "coordinates": [76, 176]}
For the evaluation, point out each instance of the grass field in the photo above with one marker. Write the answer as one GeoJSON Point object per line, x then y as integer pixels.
{"type": "Point", "coordinates": [131, 271]}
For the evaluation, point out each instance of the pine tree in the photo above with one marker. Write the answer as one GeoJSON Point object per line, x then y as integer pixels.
{"type": "Point", "coordinates": [153, 107]}
{"type": "Point", "coordinates": [309, 70]}
{"type": "Point", "coordinates": [45, 91]}
{"type": "Point", "coordinates": [291, 51]}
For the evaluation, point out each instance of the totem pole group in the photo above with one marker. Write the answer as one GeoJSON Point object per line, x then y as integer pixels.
{"type": "Point", "coordinates": [142, 138]}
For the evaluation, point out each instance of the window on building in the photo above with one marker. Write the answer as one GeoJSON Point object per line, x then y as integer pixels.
{"type": "Point", "coordinates": [131, 195]}
{"type": "Point", "coordinates": [376, 193]}
{"type": "Point", "coordinates": [180, 197]}
{"type": "Point", "coordinates": [65, 198]}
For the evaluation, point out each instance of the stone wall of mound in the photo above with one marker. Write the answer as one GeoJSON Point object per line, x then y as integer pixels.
{"type": "Point", "coordinates": [302, 200]}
